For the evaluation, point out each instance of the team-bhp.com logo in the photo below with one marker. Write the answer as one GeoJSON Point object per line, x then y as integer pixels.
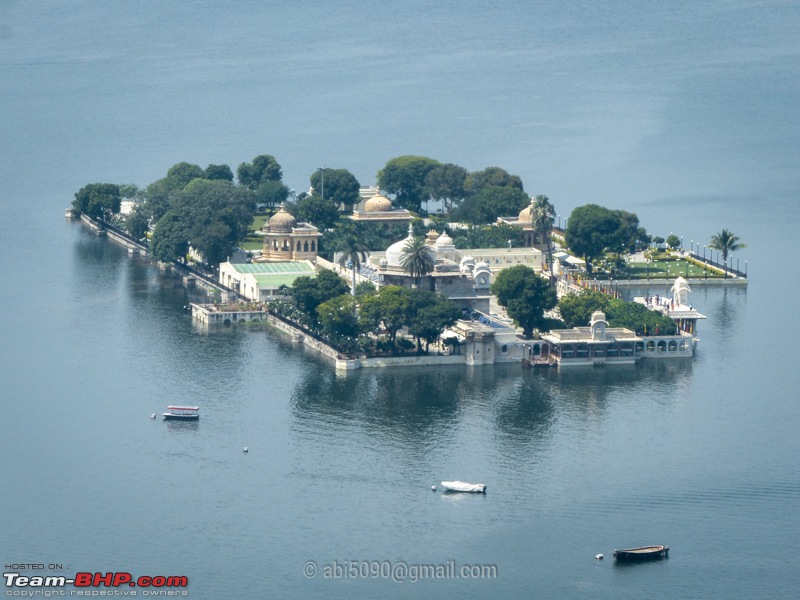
{"type": "Point", "coordinates": [84, 579]}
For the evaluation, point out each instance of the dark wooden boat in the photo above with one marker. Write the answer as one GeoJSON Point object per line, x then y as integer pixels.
{"type": "Point", "coordinates": [642, 553]}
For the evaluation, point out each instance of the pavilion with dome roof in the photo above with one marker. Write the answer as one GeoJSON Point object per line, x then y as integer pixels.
{"type": "Point", "coordinates": [287, 239]}
{"type": "Point", "coordinates": [378, 209]}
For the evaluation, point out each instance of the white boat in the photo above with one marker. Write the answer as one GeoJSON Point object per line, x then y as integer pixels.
{"type": "Point", "coordinates": [182, 413]}
{"type": "Point", "coordinates": [460, 486]}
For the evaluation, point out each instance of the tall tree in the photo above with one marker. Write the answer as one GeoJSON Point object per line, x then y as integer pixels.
{"type": "Point", "coordinates": [404, 177]}
{"type": "Point", "coordinates": [340, 186]}
{"type": "Point", "coordinates": [98, 200]}
{"type": "Point", "coordinates": [217, 215]}
{"type": "Point", "coordinates": [490, 202]}
{"type": "Point", "coordinates": [429, 315]}
{"type": "Point", "coordinates": [590, 230]}
{"type": "Point", "coordinates": [417, 258]}
{"type": "Point", "coordinates": [353, 251]}
{"type": "Point", "coordinates": [543, 216]}
{"type": "Point", "coordinates": [525, 296]}
{"type": "Point", "coordinates": [726, 242]}
{"type": "Point", "coordinates": [263, 168]}
{"type": "Point", "coordinates": [219, 172]}
{"type": "Point", "coordinates": [446, 183]}
{"type": "Point", "coordinates": [313, 209]}
{"type": "Point", "coordinates": [389, 307]}
{"type": "Point", "coordinates": [170, 241]}
{"type": "Point", "coordinates": [183, 173]}
{"type": "Point", "coordinates": [338, 317]}
{"type": "Point", "coordinates": [491, 177]}
{"type": "Point", "coordinates": [271, 193]}
{"type": "Point", "coordinates": [309, 292]}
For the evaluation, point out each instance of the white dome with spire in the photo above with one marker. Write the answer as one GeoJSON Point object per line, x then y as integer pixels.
{"type": "Point", "coordinates": [394, 253]}
{"type": "Point", "coordinates": [444, 243]}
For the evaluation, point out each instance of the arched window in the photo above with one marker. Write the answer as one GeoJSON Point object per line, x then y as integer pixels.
{"type": "Point", "coordinates": [312, 245]}
{"type": "Point", "coordinates": [305, 246]}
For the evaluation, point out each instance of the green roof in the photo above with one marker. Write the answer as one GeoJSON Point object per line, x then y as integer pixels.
{"type": "Point", "coordinates": [276, 268]}
{"type": "Point", "coordinates": [275, 280]}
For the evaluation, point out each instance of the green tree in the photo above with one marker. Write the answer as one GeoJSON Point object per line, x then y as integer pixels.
{"type": "Point", "coordinates": [308, 293]}
{"type": "Point", "coordinates": [525, 296]}
{"type": "Point", "coordinates": [183, 173]}
{"type": "Point", "coordinates": [271, 194]}
{"type": "Point", "coordinates": [170, 241]}
{"type": "Point", "coordinates": [338, 317]}
{"type": "Point", "coordinates": [98, 200]}
{"type": "Point", "coordinates": [628, 235]}
{"type": "Point", "coordinates": [590, 230]}
{"type": "Point", "coordinates": [446, 183]}
{"type": "Point", "coordinates": [219, 172]}
{"type": "Point", "coordinates": [353, 251]}
{"type": "Point", "coordinates": [543, 216]}
{"type": "Point", "coordinates": [263, 168]}
{"type": "Point", "coordinates": [576, 308]}
{"type": "Point", "coordinates": [137, 222]}
{"type": "Point", "coordinates": [313, 209]}
{"type": "Point", "coordinates": [217, 215]}
{"type": "Point", "coordinates": [340, 186]}
{"type": "Point", "coordinates": [417, 258]}
{"type": "Point", "coordinates": [366, 288]}
{"type": "Point", "coordinates": [488, 236]}
{"type": "Point", "coordinates": [673, 241]}
{"type": "Point", "coordinates": [491, 177]}
{"type": "Point", "coordinates": [638, 318]}
{"type": "Point", "coordinates": [726, 242]}
{"type": "Point", "coordinates": [429, 315]}
{"type": "Point", "coordinates": [404, 177]}
{"type": "Point", "coordinates": [130, 191]}
{"type": "Point", "coordinates": [491, 202]}
{"type": "Point", "coordinates": [159, 196]}
{"type": "Point", "coordinates": [390, 307]}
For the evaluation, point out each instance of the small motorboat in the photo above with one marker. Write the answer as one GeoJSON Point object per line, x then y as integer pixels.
{"type": "Point", "coordinates": [460, 486]}
{"type": "Point", "coordinates": [642, 553]}
{"type": "Point", "coordinates": [182, 413]}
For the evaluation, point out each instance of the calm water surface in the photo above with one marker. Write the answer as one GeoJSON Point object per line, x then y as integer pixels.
{"type": "Point", "coordinates": [685, 114]}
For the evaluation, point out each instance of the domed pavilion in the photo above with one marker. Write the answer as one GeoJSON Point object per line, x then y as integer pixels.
{"type": "Point", "coordinates": [287, 239]}
{"type": "Point", "coordinates": [378, 209]}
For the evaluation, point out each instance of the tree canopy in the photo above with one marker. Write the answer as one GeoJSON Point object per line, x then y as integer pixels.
{"type": "Point", "coordinates": [490, 202]}
{"type": "Point", "coordinates": [525, 296]}
{"type": "Point", "coordinates": [219, 172]}
{"type": "Point", "coordinates": [576, 310]}
{"type": "Point", "coordinates": [213, 215]}
{"type": "Point", "coordinates": [340, 186]}
{"type": "Point", "coordinates": [404, 177]}
{"type": "Point", "coordinates": [263, 168]}
{"type": "Point", "coordinates": [592, 229]}
{"type": "Point", "coordinates": [323, 214]}
{"type": "Point", "coordinates": [445, 182]}
{"type": "Point", "coordinates": [98, 199]}
{"type": "Point", "coordinates": [309, 292]}
{"type": "Point", "coordinates": [491, 177]}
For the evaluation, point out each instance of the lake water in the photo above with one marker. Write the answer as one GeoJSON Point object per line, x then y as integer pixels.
{"type": "Point", "coordinates": [684, 113]}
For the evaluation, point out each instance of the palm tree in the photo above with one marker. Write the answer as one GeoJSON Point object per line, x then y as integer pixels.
{"type": "Point", "coordinates": [354, 251]}
{"type": "Point", "coordinates": [725, 242]}
{"type": "Point", "coordinates": [542, 218]}
{"type": "Point", "coordinates": [417, 258]}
